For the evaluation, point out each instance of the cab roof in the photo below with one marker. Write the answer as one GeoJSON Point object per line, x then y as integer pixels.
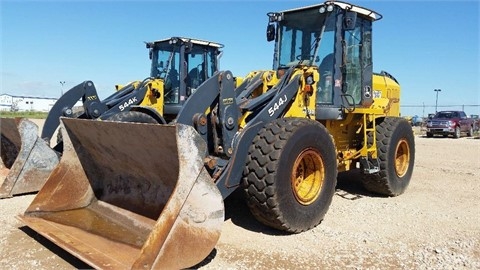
{"type": "Point", "coordinates": [192, 40]}
{"type": "Point", "coordinates": [374, 16]}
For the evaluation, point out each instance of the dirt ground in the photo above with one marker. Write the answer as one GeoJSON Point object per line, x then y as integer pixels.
{"type": "Point", "coordinates": [435, 224]}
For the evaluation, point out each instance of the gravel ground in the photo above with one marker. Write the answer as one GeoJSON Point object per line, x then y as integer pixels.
{"type": "Point", "coordinates": [435, 224]}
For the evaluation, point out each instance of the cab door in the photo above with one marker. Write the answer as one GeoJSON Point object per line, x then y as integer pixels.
{"type": "Point", "coordinates": [357, 65]}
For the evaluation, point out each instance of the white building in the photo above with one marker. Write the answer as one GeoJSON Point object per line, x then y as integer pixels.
{"type": "Point", "coordinates": [26, 103]}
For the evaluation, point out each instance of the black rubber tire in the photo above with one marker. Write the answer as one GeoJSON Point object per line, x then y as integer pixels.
{"type": "Point", "coordinates": [267, 175]}
{"type": "Point", "coordinates": [127, 116]}
{"type": "Point", "coordinates": [132, 117]}
{"type": "Point", "coordinates": [470, 132]}
{"type": "Point", "coordinates": [457, 133]}
{"type": "Point", "coordinates": [390, 133]}
{"type": "Point", "coordinates": [429, 135]}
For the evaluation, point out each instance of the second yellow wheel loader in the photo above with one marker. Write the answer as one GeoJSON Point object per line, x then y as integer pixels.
{"type": "Point", "coordinates": [178, 66]}
{"type": "Point", "coordinates": [137, 195]}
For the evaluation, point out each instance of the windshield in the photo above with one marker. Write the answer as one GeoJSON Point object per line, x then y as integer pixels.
{"type": "Point", "coordinates": [308, 38]}
{"type": "Point", "coordinates": [165, 65]}
{"type": "Point", "coordinates": [446, 115]}
{"type": "Point", "coordinates": [201, 64]}
{"type": "Point", "coordinates": [301, 36]}
{"type": "Point", "coordinates": [163, 59]}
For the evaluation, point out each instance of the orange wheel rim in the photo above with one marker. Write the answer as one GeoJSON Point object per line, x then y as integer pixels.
{"type": "Point", "coordinates": [402, 158]}
{"type": "Point", "coordinates": [307, 176]}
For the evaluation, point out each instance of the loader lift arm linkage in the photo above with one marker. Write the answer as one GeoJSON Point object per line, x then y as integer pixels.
{"type": "Point", "coordinates": [93, 107]}
{"type": "Point", "coordinates": [227, 112]}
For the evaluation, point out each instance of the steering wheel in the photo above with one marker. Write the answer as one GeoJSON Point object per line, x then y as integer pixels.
{"type": "Point", "coordinates": [301, 57]}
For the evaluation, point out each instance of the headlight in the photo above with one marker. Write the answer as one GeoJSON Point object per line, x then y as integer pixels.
{"type": "Point", "coordinates": [429, 123]}
{"type": "Point", "coordinates": [451, 123]}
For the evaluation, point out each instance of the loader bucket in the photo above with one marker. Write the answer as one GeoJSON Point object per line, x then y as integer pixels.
{"type": "Point", "coordinates": [26, 161]}
{"type": "Point", "coordinates": [130, 196]}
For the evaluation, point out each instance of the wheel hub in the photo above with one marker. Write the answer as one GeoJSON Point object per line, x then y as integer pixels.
{"type": "Point", "coordinates": [307, 176]}
{"type": "Point", "coordinates": [402, 158]}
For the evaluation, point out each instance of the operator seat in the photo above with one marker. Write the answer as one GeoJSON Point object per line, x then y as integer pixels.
{"type": "Point", "coordinates": [326, 79]}
{"type": "Point", "coordinates": [196, 77]}
{"type": "Point", "coordinates": [192, 78]}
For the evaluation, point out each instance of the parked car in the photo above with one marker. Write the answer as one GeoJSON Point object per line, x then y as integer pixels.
{"type": "Point", "coordinates": [450, 123]}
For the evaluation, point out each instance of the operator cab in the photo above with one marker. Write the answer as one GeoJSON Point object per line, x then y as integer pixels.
{"type": "Point", "coordinates": [336, 38]}
{"type": "Point", "coordinates": [183, 64]}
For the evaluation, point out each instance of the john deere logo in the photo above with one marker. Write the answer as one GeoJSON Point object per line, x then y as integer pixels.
{"type": "Point", "coordinates": [227, 101]}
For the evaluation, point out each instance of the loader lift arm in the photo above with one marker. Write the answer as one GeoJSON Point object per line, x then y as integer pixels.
{"type": "Point", "coordinates": [286, 91]}
{"type": "Point", "coordinates": [128, 96]}
{"type": "Point", "coordinates": [63, 107]}
{"type": "Point", "coordinates": [222, 121]}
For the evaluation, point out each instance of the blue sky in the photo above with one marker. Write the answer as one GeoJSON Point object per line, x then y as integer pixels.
{"type": "Point", "coordinates": [426, 45]}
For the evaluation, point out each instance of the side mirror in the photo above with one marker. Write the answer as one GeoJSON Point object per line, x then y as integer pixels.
{"type": "Point", "coordinates": [349, 20]}
{"type": "Point", "coordinates": [150, 54]}
{"type": "Point", "coordinates": [270, 32]}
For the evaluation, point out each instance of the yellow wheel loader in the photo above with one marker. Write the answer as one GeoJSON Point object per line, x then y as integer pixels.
{"type": "Point", "coordinates": [178, 66]}
{"type": "Point", "coordinates": [139, 195]}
